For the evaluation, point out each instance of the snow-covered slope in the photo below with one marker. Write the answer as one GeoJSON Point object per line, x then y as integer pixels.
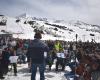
{"type": "Point", "coordinates": [23, 74]}
{"type": "Point", "coordinates": [24, 27]}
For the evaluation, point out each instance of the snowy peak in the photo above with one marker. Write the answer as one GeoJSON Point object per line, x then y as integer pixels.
{"type": "Point", "coordinates": [24, 15]}
{"type": "Point", "coordinates": [79, 23]}
{"type": "Point", "coordinates": [25, 26]}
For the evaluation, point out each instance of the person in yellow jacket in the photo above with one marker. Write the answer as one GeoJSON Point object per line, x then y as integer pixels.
{"type": "Point", "coordinates": [58, 46]}
{"type": "Point", "coordinates": [59, 50]}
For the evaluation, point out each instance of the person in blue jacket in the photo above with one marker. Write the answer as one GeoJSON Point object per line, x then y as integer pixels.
{"type": "Point", "coordinates": [36, 52]}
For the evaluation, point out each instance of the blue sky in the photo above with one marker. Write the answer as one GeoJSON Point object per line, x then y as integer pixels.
{"type": "Point", "coordinates": [84, 10]}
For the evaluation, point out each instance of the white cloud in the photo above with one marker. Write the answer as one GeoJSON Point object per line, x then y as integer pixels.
{"type": "Point", "coordinates": [85, 10]}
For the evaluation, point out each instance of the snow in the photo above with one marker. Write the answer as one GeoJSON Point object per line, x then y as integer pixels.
{"type": "Point", "coordinates": [26, 31]}
{"type": "Point", "coordinates": [23, 74]}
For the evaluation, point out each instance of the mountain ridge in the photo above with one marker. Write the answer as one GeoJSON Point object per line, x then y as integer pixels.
{"type": "Point", "coordinates": [51, 29]}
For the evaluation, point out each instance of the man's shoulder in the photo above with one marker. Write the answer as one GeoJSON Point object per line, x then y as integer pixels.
{"type": "Point", "coordinates": [37, 43]}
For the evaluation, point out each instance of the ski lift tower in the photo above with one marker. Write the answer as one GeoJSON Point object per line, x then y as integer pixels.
{"type": "Point", "coordinates": [76, 37]}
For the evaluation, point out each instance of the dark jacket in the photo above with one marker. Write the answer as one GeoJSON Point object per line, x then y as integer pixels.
{"type": "Point", "coordinates": [5, 55]}
{"type": "Point", "coordinates": [36, 51]}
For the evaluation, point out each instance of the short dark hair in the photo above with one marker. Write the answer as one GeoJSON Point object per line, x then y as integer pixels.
{"type": "Point", "coordinates": [37, 35]}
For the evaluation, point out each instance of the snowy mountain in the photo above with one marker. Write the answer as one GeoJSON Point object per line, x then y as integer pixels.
{"type": "Point", "coordinates": [24, 26]}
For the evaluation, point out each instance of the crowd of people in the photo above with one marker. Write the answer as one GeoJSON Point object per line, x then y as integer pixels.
{"type": "Point", "coordinates": [10, 49]}
{"type": "Point", "coordinates": [82, 57]}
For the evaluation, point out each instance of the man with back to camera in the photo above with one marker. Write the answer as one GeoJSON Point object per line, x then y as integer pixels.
{"type": "Point", "coordinates": [36, 51]}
